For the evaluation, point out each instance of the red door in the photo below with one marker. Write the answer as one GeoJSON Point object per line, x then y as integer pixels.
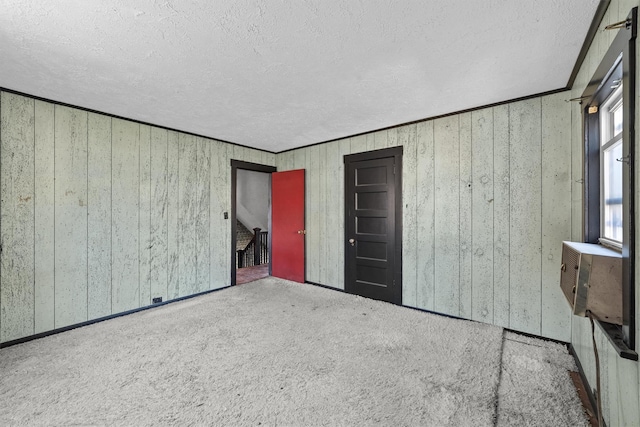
{"type": "Point", "coordinates": [287, 225]}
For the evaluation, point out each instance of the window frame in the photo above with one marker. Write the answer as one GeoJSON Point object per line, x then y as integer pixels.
{"type": "Point", "coordinates": [608, 141]}
{"type": "Point", "coordinates": [619, 63]}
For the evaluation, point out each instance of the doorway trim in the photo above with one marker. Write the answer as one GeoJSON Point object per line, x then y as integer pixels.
{"type": "Point", "coordinates": [235, 165]}
{"type": "Point", "coordinates": [396, 153]}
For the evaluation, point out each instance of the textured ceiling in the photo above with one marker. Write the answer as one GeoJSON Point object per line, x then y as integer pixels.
{"type": "Point", "coordinates": [282, 74]}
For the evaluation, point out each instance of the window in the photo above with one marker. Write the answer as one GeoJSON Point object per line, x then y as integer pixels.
{"type": "Point", "coordinates": [611, 169]}
{"type": "Point", "coordinates": [609, 115]}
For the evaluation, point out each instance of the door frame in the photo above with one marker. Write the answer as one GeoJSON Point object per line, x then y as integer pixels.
{"type": "Point", "coordinates": [396, 153]}
{"type": "Point", "coordinates": [235, 165]}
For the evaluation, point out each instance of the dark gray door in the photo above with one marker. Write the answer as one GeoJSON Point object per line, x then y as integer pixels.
{"type": "Point", "coordinates": [373, 225]}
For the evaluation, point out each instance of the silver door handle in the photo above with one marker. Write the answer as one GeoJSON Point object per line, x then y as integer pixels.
{"type": "Point", "coordinates": [352, 241]}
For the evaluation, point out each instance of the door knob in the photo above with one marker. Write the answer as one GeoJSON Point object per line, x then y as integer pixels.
{"type": "Point", "coordinates": [352, 242]}
{"type": "Point", "coordinates": [302, 231]}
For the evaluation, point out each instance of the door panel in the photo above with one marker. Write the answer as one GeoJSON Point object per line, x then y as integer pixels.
{"type": "Point", "coordinates": [372, 265]}
{"type": "Point", "coordinates": [287, 224]}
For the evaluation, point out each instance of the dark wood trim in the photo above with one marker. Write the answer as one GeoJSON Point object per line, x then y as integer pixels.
{"type": "Point", "coordinates": [591, 178]}
{"type": "Point", "coordinates": [256, 167]}
{"type": "Point", "coordinates": [629, 250]}
{"type": "Point", "coordinates": [468, 110]}
{"type": "Point", "coordinates": [89, 110]}
{"type": "Point", "coordinates": [235, 165]}
{"type": "Point", "coordinates": [374, 154]}
{"type": "Point", "coordinates": [615, 336]}
{"type": "Point", "coordinates": [622, 51]}
{"type": "Point", "coordinates": [581, 389]}
{"type": "Point", "coordinates": [395, 152]}
{"type": "Point", "coordinates": [102, 319]}
{"type": "Point", "coordinates": [588, 40]}
{"type": "Point", "coordinates": [304, 221]}
{"type": "Point", "coordinates": [593, 29]}
{"type": "Point", "coordinates": [424, 310]}
{"type": "Point", "coordinates": [325, 286]}
{"type": "Point", "coordinates": [583, 377]}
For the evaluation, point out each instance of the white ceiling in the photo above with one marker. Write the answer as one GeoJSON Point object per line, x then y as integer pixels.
{"type": "Point", "coordinates": [282, 74]}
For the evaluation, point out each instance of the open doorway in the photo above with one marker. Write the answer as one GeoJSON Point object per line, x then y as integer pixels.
{"type": "Point", "coordinates": [251, 221]}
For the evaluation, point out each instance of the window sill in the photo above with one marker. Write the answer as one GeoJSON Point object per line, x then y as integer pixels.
{"type": "Point", "coordinates": [614, 334]}
{"type": "Point", "coordinates": [611, 244]}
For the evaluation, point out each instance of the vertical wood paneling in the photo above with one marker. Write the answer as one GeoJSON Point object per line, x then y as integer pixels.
{"type": "Point", "coordinates": [323, 212]}
{"type": "Point", "coordinates": [125, 268]}
{"type": "Point", "coordinates": [407, 139]}
{"type": "Point", "coordinates": [345, 149]}
{"type": "Point", "coordinates": [581, 341]}
{"type": "Point", "coordinates": [255, 156]}
{"type": "Point", "coordinates": [286, 161]}
{"type": "Point", "coordinates": [466, 212]}
{"type": "Point", "coordinates": [627, 408]}
{"type": "Point", "coordinates": [44, 260]}
{"type": "Point", "coordinates": [219, 234]}
{"type": "Point", "coordinates": [604, 38]}
{"type": "Point", "coordinates": [447, 215]}
{"type": "Point", "coordinates": [99, 216]}
{"type": "Point", "coordinates": [525, 216]}
{"type": "Point", "coordinates": [610, 401]}
{"type": "Point", "coordinates": [623, 9]}
{"type": "Point", "coordinates": [556, 212]}
{"type": "Point", "coordinates": [312, 214]}
{"type": "Point", "coordinates": [300, 159]}
{"type": "Point", "coordinates": [187, 224]}
{"type": "Point", "coordinates": [604, 375]}
{"type": "Point", "coordinates": [159, 218]}
{"type": "Point", "coordinates": [370, 141]}
{"type": "Point", "coordinates": [358, 144]}
{"type": "Point", "coordinates": [281, 162]}
{"type": "Point", "coordinates": [501, 216]}
{"type": "Point", "coordinates": [71, 232]}
{"type": "Point", "coordinates": [173, 220]}
{"type": "Point", "coordinates": [203, 210]}
{"type": "Point", "coordinates": [380, 140]}
{"type": "Point", "coordinates": [270, 159]}
{"type": "Point", "coordinates": [241, 153]}
{"type": "Point", "coordinates": [425, 214]}
{"type": "Point", "coordinates": [482, 218]}
{"type": "Point", "coordinates": [16, 216]}
{"type": "Point", "coordinates": [392, 137]}
{"type": "Point", "coordinates": [290, 160]}
{"type": "Point", "coordinates": [335, 215]}
{"type": "Point", "coordinates": [144, 229]}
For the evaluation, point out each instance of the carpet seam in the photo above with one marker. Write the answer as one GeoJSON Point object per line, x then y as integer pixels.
{"type": "Point", "coordinates": [496, 393]}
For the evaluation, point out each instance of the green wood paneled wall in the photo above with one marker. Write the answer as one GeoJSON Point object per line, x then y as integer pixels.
{"type": "Point", "coordinates": [486, 205]}
{"type": "Point", "coordinates": [487, 198]}
{"type": "Point", "coordinates": [620, 378]}
{"type": "Point", "coordinates": [99, 215]}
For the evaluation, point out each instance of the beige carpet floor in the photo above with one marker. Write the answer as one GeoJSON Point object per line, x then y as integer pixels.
{"type": "Point", "coordinates": [278, 353]}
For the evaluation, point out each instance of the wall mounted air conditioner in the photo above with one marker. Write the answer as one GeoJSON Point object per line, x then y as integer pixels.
{"type": "Point", "coordinates": [591, 280]}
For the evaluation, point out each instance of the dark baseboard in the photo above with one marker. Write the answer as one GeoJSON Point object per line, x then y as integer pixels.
{"type": "Point", "coordinates": [325, 286]}
{"type": "Point", "coordinates": [585, 382]}
{"type": "Point", "coordinates": [102, 319]}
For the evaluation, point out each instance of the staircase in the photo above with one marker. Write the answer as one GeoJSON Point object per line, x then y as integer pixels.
{"type": "Point", "coordinates": [246, 244]}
